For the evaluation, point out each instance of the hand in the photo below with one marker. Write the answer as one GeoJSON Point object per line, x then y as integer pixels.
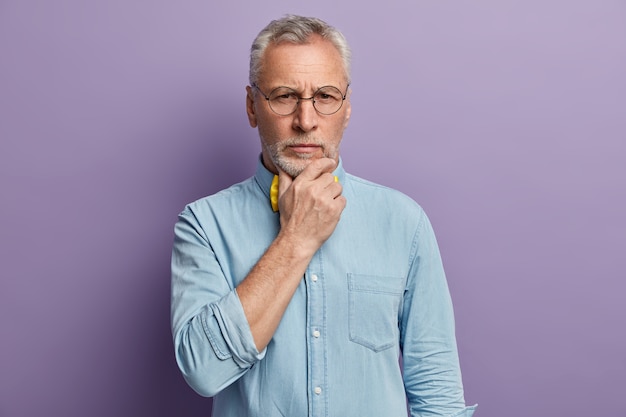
{"type": "Point", "coordinates": [310, 205]}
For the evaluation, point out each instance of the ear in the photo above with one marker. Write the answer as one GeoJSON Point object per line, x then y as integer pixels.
{"type": "Point", "coordinates": [348, 112]}
{"type": "Point", "coordinates": [250, 107]}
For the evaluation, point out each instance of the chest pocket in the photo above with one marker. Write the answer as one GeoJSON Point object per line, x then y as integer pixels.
{"type": "Point", "coordinates": [373, 310]}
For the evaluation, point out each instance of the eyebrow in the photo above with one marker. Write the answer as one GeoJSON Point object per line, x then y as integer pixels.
{"type": "Point", "coordinates": [315, 89]}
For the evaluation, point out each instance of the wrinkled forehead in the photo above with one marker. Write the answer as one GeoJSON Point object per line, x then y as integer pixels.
{"type": "Point", "coordinates": [316, 62]}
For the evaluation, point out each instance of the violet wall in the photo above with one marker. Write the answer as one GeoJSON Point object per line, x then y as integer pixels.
{"type": "Point", "coordinates": [506, 120]}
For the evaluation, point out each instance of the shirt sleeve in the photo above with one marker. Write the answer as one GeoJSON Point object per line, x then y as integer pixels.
{"type": "Point", "coordinates": [212, 339]}
{"type": "Point", "coordinates": [432, 375]}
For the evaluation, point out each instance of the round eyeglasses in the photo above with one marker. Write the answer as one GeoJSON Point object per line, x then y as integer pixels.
{"type": "Point", "coordinates": [284, 100]}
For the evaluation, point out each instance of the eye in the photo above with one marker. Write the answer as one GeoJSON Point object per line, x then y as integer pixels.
{"type": "Point", "coordinates": [328, 95]}
{"type": "Point", "coordinates": [283, 95]}
{"type": "Point", "coordinates": [286, 96]}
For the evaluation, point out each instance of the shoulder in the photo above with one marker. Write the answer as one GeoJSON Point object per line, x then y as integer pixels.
{"type": "Point", "coordinates": [223, 200]}
{"type": "Point", "coordinates": [383, 208]}
{"type": "Point", "coordinates": [381, 196]}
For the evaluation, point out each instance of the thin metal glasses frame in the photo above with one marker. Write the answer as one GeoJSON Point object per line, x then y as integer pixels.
{"type": "Point", "coordinates": [312, 98]}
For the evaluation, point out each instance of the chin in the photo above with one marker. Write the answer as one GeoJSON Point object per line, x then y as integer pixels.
{"type": "Point", "coordinates": [293, 168]}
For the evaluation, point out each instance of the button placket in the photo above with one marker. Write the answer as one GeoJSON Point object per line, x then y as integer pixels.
{"type": "Point", "coordinates": [316, 307]}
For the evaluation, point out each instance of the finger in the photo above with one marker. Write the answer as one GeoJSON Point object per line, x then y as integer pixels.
{"type": "Point", "coordinates": [317, 168]}
{"type": "Point", "coordinates": [342, 202]}
{"type": "Point", "coordinates": [332, 191]}
{"type": "Point", "coordinates": [328, 179]}
{"type": "Point", "coordinates": [335, 189]}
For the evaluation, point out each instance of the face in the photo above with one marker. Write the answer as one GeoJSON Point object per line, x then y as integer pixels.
{"type": "Point", "coordinates": [292, 142]}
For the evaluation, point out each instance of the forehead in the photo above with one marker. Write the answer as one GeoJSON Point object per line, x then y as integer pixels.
{"type": "Point", "coordinates": [316, 63]}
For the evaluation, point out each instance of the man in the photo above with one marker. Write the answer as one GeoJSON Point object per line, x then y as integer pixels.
{"type": "Point", "coordinates": [301, 306]}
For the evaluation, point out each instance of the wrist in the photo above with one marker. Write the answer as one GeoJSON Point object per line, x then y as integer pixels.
{"type": "Point", "coordinates": [292, 246]}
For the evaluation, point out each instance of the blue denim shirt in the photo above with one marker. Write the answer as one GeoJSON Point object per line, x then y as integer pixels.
{"type": "Point", "coordinates": [376, 289]}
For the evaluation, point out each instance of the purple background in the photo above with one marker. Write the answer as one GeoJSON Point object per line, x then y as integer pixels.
{"type": "Point", "coordinates": [506, 120]}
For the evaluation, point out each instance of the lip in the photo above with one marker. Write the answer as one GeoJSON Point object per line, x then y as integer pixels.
{"type": "Point", "coordinates": [305, 148]}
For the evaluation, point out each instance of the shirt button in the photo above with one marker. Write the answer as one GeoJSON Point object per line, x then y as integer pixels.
{"type": "Point", "coordinates": [317, 390]}
{"type": "Point", "coordinates": [316, 333]}
{"type": "Point", "coordinates": [314, 278]}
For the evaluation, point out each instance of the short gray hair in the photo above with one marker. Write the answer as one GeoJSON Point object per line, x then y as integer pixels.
{"type": "Point", "coordinates": [297, 30]}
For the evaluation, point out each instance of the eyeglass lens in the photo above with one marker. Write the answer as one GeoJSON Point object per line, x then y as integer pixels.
{"type": "Point", "coordinates": [326, 100]}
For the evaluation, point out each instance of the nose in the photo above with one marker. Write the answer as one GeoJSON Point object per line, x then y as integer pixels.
{"type": "Point", "coordinates": [306, 116]}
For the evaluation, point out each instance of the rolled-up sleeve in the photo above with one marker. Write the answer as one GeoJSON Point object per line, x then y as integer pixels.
{"type": "Point", "coordinates": [431, 370]}
{"type": "Point", "coordinates": [212, 339]}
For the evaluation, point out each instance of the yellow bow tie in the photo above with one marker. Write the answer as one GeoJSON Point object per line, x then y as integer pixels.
{"type": "Point", "coordinates": [274, 192]}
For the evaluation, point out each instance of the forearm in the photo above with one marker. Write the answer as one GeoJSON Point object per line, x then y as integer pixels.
{"type": "Point", "coordinates": [266, 292]}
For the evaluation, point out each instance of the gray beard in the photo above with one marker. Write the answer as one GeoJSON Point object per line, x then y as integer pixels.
{"type": "Point", "coordinates": [291, 167]}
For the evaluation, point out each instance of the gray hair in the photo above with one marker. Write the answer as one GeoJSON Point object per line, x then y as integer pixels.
{"type": "Point", "coordinates": [297, 30]}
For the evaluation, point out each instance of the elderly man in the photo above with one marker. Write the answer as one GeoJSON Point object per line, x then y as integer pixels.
{"type": "Point", "coordinates": [295, 292]}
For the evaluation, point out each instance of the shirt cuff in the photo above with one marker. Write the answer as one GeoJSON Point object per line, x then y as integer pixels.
{"type": "Point", "coordinates": [467, 412]}
{"type": "Point", "coordinates": [236, 331]}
